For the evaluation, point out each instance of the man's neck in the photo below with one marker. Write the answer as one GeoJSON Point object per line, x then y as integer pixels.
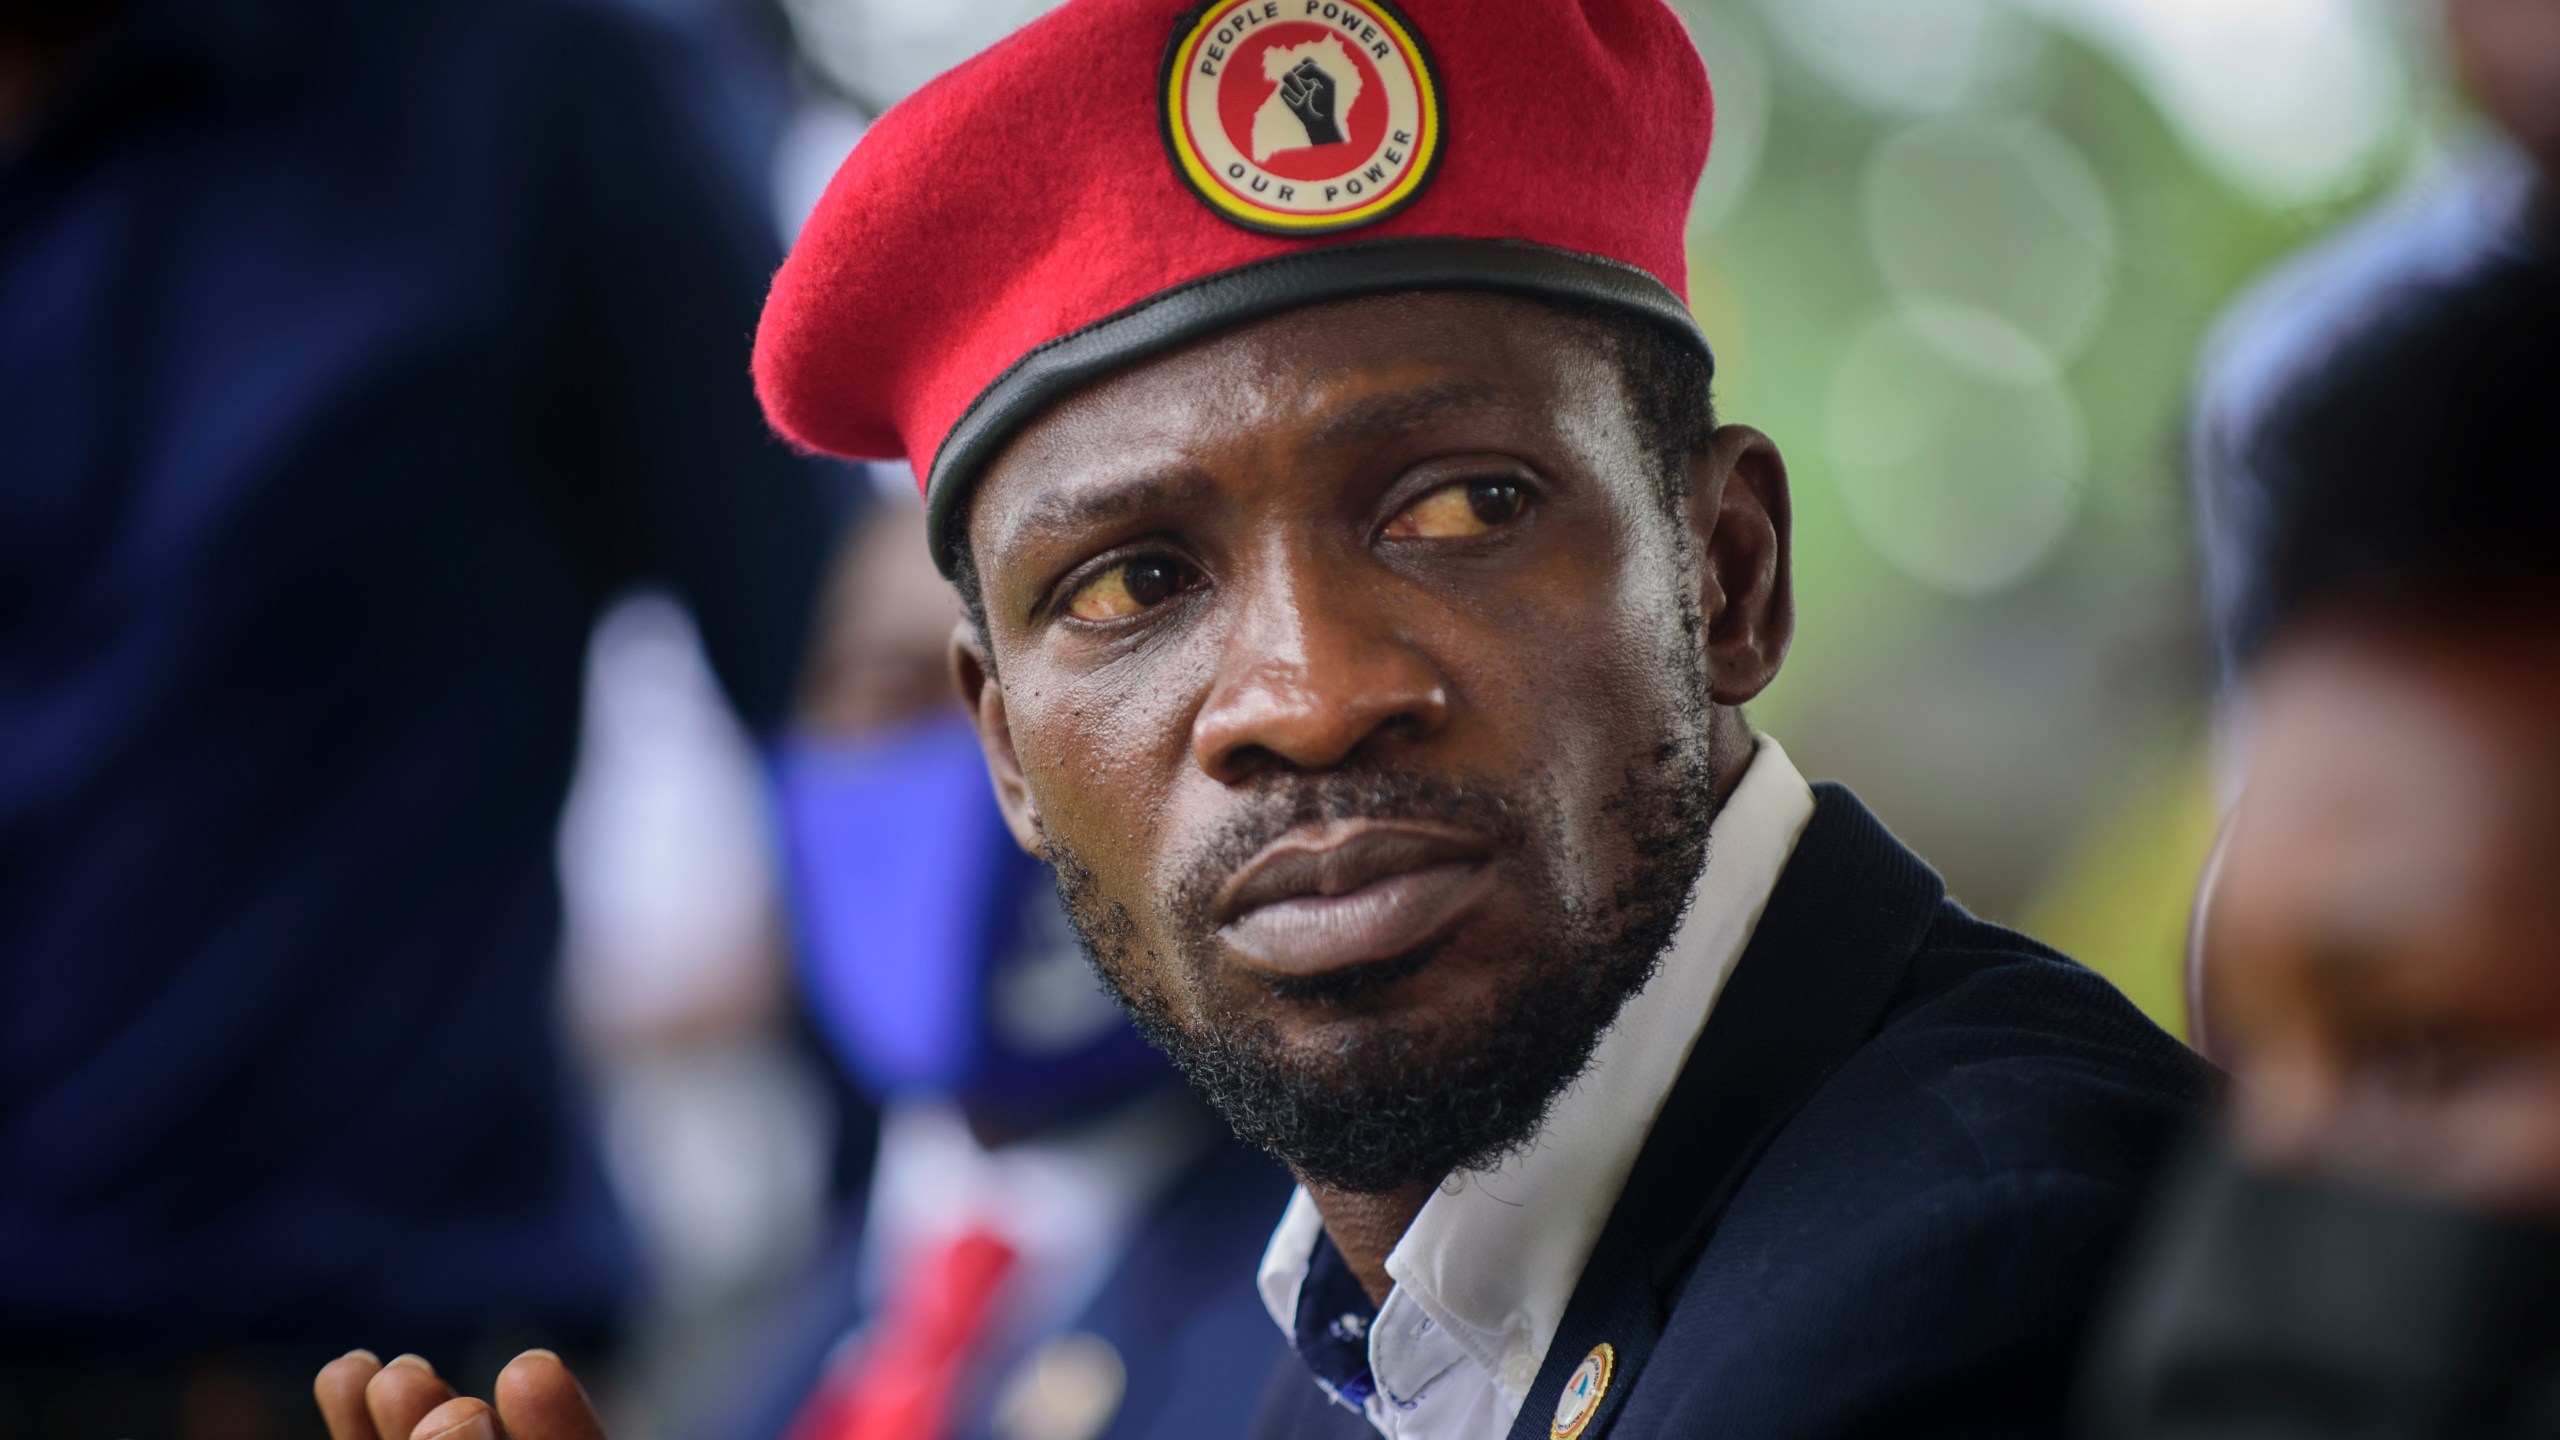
{"type": "Point", "coordinates": [1365, 1228]}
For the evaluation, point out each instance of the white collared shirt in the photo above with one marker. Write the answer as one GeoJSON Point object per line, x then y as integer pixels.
{"type": "Point", "coordinates": [1483, 1275]}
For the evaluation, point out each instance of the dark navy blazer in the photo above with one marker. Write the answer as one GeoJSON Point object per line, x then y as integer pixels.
{"type": "Point", "coordinates": [1881, 1195]}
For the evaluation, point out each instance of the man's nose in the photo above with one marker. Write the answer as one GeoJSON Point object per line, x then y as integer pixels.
{"type": "Point", "coordinates": [1314, 672]}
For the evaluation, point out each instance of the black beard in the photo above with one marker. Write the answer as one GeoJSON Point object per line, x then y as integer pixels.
{"type": "Point", "coordinates": [1406, 1103]}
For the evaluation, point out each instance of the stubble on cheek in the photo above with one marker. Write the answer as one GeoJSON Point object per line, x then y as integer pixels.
{"type": "Point", "coordinates": [1100, 802]}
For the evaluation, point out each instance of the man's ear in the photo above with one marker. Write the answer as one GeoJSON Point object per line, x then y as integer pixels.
{"type": "Point", "coordinates": [1742, 523]}
{"type": "Point", "coordinates": [984, 695]}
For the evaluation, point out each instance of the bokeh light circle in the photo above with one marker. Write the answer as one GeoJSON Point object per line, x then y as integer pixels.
{"type": "Point", "coordinates": [1905, 56]}
{"type": "Point", "coordinates": [1965, 476]}
{"type": "Point", "coordinates": [1730, 41]}
{"type": "Point", "coordinates": [1997, 214]}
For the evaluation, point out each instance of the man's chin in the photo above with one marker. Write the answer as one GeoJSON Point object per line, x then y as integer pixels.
{"type": "Point", "coordinates": [1429, 1005]}
{"type": "Point", "coordinates": [1349, 1054]}
{"type": "Point", "coordinates": [1392, 1088]}
{"type": "Point", "coordinates": [1373, 1094]}
{"type": "Point", "coordinates": [1344, 985]}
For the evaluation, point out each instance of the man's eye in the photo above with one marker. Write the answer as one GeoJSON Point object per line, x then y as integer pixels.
{"type": "Point", "coordinates": [1127, 588]}
{"type": "Point", "coordinates": [1456, 512]}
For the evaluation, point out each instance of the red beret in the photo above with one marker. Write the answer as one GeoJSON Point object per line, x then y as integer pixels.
{"type": "Point", "coordinates": [1123, 176]}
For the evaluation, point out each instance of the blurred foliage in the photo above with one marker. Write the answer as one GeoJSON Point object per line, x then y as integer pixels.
{"type": "Point", "coordinates": [2040, 734]}
{"type": "Point", "coordinates": [2126, 892]}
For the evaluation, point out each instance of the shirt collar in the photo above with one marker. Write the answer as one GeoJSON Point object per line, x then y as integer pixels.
{"type": "Point", "coordinates": [1334, 1317]}
{"type": "Point", "coordinates": [1489, 1265]}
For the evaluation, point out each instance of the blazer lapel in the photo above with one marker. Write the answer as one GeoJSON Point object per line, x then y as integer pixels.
{"type": "Point", "coordinates": [1828, 955]}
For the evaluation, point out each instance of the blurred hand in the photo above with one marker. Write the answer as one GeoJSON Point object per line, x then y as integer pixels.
{"type": "Point", "coordinates": [537, 1399]}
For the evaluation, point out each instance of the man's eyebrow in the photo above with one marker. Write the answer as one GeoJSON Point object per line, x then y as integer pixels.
{"type": "Point", "coordinates": [1371, 418]}
{"type": "Point", "coordinates": [1103, 504]}
{"type": "Point", "coordinates": [1381, 417]}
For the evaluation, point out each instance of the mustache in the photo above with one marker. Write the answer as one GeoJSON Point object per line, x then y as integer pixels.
{"type": "Point", "coordinates": [1287, 802]}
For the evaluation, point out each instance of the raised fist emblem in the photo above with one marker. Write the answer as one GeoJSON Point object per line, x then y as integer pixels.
{"type": "Point", "coordinates": [1316, 86]}
{"type": "Point", "coordinates": [1309, 93]}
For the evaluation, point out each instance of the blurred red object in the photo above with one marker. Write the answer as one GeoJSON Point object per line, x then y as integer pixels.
{"type": "Point", "coordinates": [897, 1383]}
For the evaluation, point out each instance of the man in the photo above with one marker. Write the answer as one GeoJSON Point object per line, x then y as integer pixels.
{"type": "Point", "coordinates": [1361, 603]}
{"type": "Point", "coordinates": [2373, 1247]}
{"type": "Point", "coordinates": [352, 356]}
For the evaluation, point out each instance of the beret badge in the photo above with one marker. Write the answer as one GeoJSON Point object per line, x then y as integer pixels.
{"type": "Point", "coordinates": [1301, 117]}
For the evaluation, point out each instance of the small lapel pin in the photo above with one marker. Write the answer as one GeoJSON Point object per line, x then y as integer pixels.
{"type": "Point", "coordinates": [1069, 1388]}
{"type": "Point", "coordinates": [1582, 1391]}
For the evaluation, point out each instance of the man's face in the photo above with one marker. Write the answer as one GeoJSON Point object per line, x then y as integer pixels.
{"type": "Point", "coordinates": [1356, 675]}
{"type": "Point", "coordinates": [2383, 941]}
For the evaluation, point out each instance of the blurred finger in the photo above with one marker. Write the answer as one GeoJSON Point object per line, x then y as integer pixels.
{"type": "Point", "coordinates": [340, 1390]}
{"type": "Point", "coordinates": [401, 1395]}
{"type": "Point", "coordinates": [463, 1419]}
{"type": "Point", "coordinates": [538, 1399]}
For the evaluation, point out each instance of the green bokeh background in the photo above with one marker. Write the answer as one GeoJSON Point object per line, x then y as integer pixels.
{"type": "Point", "coordinates": [2045, 741]}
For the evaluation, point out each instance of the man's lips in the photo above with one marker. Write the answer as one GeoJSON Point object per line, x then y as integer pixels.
{"type": "Point", "coordinates": [1350, 893]}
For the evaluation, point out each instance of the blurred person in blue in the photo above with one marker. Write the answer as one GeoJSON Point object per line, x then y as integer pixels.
{"type": "Point", "coordinates": [2346, 356]}
{"type": "Point", "coordinates": [2370, 1247]}
{"type": "Point", "coordinates": [352, 356]}
{"type": "Point", "coordinates": [2351, 356]}
{"type": "Point", "coordinates": [1060, 1238]}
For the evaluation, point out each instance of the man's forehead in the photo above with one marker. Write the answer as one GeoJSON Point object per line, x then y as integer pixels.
{"type": "Point", "coordinates": [1152, 437]}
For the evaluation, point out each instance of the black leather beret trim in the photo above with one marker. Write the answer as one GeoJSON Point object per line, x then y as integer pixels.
{"type": "Point", "coordinates": [1203, 307]}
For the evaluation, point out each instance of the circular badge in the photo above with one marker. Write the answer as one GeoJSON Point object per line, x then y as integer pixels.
{"type": "Point", "coordinates": [1301, 116]}
{"type": "Point", "coordinates": [1582, 1391]}
{"type": "Point", "coordinates": [1069, 1388]}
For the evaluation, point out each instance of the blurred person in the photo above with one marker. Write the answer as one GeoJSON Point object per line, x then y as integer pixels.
{"type": "Point", "coordinates": [728, 1138]}
{"type": "Point", "coordinates": [2507, 55]}
{"type": "Point", "coordinates": [2345, 363]}
{"type": "Point", "coordinates": [1361, 600]}
{"type": "Point", "coordinates": [2322, 366]}
{"type": "Point", "coordinates": [2372, 1248]}
{"type": "Point", "coordinates": [351, 357]}
{"type": "Point", "coordinates": [2348, 358]}
{"type": "Point", "coordinates": [1082, 1224]}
